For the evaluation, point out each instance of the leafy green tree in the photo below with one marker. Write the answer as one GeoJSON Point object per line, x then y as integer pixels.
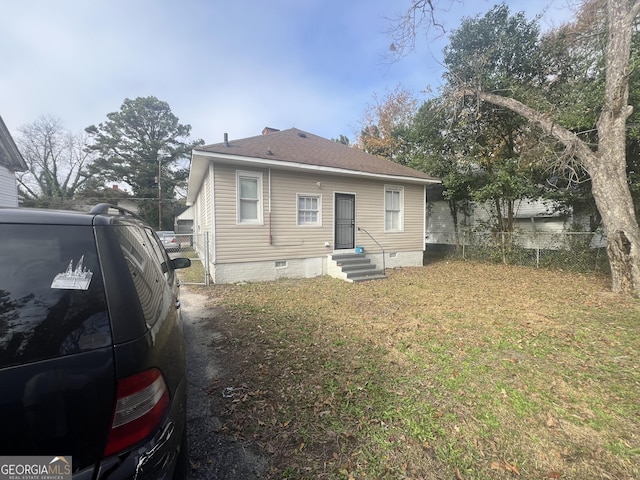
{"type": "Point", "coordinates": [482, 147]}
{"type": "Point", "coordinates": [438, 150]}
{"type": "Point", "coordinates": [144, 145]}
{"type": "Point", "coordinates": [573, 62]}
{"type": "Point", "coordinates": [496, 52]}
{"type": "Point", "coordinates": [605, 161]}
{"type": "Point", "coordinates": [57, 163]}
{"type": "Point", "coordinates": [343, 139]}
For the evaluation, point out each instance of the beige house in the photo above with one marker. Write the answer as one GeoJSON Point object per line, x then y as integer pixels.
{"type": "Point", "coordinates": [290, 204]}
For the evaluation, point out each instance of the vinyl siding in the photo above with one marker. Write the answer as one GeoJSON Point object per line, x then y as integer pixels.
{"type": "Point", "coordinates": [281, 238]}
{"type": "Point", "coordinates": [440, 225]}
{"type": "Point", "coordinates": [530, 216]}
{"type": "Point", "coordinates": [527, 208]}
{"type": "Point", "coordinates": [202, 208]}
{"type": "Point", "coordinates": [8, 188]}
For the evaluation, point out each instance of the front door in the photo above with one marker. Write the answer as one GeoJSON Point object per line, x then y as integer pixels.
{"type": "Point", "coordinates": [345, 220]}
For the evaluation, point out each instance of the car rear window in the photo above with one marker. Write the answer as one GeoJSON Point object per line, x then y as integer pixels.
{"type": "Point", "coordinates": [52, 299]}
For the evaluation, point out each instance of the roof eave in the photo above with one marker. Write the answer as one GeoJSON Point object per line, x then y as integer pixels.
{"type": "Point", "coordinates": [10, 156]}
{"type": "Point", "coordinates": [289, 165]}
{"type": "Point", "coordinates": [197, 171]}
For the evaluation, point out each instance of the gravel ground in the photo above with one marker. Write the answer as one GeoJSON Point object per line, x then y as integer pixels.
{"type": "Point", "coordinates": [212, 454]}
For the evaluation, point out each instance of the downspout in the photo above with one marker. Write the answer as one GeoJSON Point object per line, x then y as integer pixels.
{"type": "Point", "coordinates": [213, 211]}
{"type": "Point", "coordinates": [424, 221]}
{"type": "Point", "coordinates": [270, 236]}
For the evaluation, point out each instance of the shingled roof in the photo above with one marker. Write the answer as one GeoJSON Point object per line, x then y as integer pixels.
{"type": "Point", "coordinates": [294, 148]}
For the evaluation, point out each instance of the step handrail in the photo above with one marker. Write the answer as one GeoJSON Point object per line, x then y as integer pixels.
{"type": "Point", "coordinates": [384, 270]}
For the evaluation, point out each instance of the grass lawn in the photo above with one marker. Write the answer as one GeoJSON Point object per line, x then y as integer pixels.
{"type": "Point", "coordinates": [457, 370]}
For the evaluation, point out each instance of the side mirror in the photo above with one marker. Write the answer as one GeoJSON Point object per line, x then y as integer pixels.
{"type": "Point", "coordinates": [180, 262]}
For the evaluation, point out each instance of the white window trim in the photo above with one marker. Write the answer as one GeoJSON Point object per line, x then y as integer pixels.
{"type": "Point", "coordinates": [306, 225]}
{"type": "Point", "coordinates": [258, 177]}
{"type": "Point", "coordinates": [394, 188]}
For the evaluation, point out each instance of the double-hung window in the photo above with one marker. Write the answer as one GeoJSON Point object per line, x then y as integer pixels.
{"type": "Point", "coordinates": [309, 210]}
{"type": "Point", "coordinates": [249, 197]}
{"type": "Point", "coordinates": [393, 209]}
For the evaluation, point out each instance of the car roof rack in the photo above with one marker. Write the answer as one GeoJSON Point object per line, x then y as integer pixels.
{"type": "Point", "coordinates": [103, 208]}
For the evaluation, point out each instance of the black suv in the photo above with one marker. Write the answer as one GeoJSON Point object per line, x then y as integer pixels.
{"type": "Point", "coordinates": [92, 355]}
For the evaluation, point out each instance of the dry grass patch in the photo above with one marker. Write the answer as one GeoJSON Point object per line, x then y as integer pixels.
{"type": "Point", "coordinates": [456, 370]}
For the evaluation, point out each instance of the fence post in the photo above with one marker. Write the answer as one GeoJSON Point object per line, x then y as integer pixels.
{"type": "Point", "coordinates": [207, 274]}
{"type": "Point", "coordinates": [464, 242]}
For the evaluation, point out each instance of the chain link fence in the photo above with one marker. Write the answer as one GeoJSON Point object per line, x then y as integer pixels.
{"type": "Point", "coordinates": [572, 251]}
{"type": "Point", "coordinates": [196, 248]}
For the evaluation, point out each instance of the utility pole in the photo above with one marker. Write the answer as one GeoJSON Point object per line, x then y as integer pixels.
{"type": "Point", "coordinates": [159, 193]}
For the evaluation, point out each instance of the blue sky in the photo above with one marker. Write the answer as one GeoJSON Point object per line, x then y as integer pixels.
{"type": "Point", "coordinates": [231, 66]}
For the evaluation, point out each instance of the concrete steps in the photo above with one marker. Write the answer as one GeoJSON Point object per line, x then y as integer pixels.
{"type": "Point", "coordinates": [356, 267]}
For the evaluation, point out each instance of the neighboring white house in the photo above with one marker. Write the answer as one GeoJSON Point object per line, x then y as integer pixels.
{"type": "Point", "coordinates": [290, 204]}
{"type": "Point", "coordinates": [184, 222]}
{"type": "Point", "coordinates": [537, 221]}
{"type": "Point", "coordinates": [530, 216]}
{"type": "Point", "coordinates": [11, 161]}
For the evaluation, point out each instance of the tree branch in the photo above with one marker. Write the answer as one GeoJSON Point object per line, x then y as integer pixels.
{"type": "Point", "coordinates": [404, 28]}
{"type": "Point", "coordinates": [567, 137]}
{"type": "Point", "coordinates": [635, 9]}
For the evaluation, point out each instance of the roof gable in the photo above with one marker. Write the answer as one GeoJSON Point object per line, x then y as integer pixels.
{"type": "Point", "coordinates": [10, 157]}
{"type": "Point", "coordinates": [295, 147]}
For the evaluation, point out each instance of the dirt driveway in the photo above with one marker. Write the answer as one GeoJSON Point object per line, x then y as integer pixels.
{"type": "Point", "coordinates": [212, 454]}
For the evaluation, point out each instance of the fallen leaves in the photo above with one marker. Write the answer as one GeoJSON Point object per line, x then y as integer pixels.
{"type": "Point", "coordinates": [329, 377]}
{"type": "Point", "coordinates": [552, 422]}
{"type": "Point", "coordinates": [504, 465]}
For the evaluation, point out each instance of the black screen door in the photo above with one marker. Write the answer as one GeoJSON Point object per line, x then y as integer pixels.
{"type": "Point", "coordinates": [345, 220]}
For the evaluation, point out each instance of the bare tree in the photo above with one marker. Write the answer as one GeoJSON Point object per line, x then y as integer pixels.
{"type": "Point", "coordinates": [605, 164]}
{"type": "Point", "coordinates": [57, 162]}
